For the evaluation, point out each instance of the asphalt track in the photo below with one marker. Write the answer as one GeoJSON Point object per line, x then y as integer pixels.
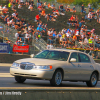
{"type": "Point", "coordinates": [7, 81]}
{"type": "Point", "coordinates": [42, 90]}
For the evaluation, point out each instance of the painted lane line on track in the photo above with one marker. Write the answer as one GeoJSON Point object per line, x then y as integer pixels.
{"type": "Point", "coordinates": [51, 88]}
{"type": "Point", "coordinates": [5, 75]}
{"type": "Point", "coordinates": [5, 64]}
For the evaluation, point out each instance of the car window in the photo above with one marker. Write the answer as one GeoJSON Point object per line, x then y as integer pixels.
{"type": "Point", "coordinates": [41, 54]}
{"type": "Point", "coordinates": [74, 55]}
{"type": "Point", "coordinates": [54, 55]}
{"type": "Point", "coordinates": [83, 58]}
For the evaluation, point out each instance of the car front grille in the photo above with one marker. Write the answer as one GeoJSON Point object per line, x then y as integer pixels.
{"type": "Point", "coordinates": [26, 66]}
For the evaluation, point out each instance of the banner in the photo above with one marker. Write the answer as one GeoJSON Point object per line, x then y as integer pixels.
{"type": "Point", "coordinates": [23, 49]}
{"type": "Point", "coordinates": [4, 48]}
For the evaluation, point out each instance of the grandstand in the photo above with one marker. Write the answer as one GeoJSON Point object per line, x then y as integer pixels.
{"type": "Point", "coordinates": [58, 25]}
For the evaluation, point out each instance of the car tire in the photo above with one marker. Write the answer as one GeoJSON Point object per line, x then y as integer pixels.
{"type": "Point", "coordinates": [56, 79]}
{"type": "Point", "coordinates": [93, 80]}
{"type": "Point", "coordinates": [20, 79]}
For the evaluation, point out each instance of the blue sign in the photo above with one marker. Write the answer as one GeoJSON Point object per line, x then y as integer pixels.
{"type": "Point", "coordinates": [4, 48]}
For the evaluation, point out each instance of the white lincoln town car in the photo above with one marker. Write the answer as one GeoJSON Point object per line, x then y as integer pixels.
{"type": "Point", "coordinates": [57, 65]}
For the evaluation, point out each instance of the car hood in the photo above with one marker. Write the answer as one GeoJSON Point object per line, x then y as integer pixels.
{"type": "Point", "coordinates": [38, 61]}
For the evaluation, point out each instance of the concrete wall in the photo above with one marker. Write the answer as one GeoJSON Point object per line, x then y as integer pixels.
{"type": "Point", "coordinates": [10, 58]}
{"type": "Point", "coordinates": [51, 95]}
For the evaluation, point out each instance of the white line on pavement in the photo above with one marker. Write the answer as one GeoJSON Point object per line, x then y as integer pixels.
{"type": "Point", "coordinates": [5, 64]}
{"type": "Point", "coordinates": [5, 75]}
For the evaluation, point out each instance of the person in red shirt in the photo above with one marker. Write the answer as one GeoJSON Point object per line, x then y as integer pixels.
{"type": "Point", "coordinates": [37, 17]}
{"type": "Point", "coordinates": [17, 1]}
{"type": "Point", "coordinates": [71, 18]}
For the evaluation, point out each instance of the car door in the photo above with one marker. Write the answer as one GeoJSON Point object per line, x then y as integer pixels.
{"type": "Point", "coordinates": [72, 70]}
{"type": "Point", "coordinates": [85, 66]}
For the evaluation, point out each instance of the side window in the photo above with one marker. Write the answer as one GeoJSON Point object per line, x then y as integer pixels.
{"type": "Point", "coordinates": [74, 55]}
{"type": "Point", "coordinates": [83, 58]}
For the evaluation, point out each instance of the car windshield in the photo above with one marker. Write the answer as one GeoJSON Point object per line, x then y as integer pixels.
{"type": "Point", "coordinates": [54, 55]}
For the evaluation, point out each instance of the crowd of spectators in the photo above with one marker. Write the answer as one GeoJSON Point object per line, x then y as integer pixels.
{"type": "Point", "coordinates": [66, 37]}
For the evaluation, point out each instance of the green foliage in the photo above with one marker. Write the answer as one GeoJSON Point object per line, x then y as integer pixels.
{"type": "Point", "coordinates": [78, 2]}
{"type": "Point", "coordinates": [85, 2]}
{"type": "Point", "coordinates": [65, 1]}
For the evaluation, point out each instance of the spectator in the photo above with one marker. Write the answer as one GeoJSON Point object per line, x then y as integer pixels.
{"type": "Point", "coordinates": [74, 9]}
{"type": "Point", "coordinates": [38, 2]}
{"type": "Point", "coordinates": [61, 8]}
{"type": "Point", "coordinates": [32, 2]}
{"type": "Point", "coordinates": [30, 7]}
{"type": "Point", "coordinates": [45, 5]}
{"type": "Point", "coordinates": [89, 16]}
{"type": "Point", "coordinates": [37, 18]}
{"type": "Point", "coordinates": [17, 1]}
{"type": "Point", "coordinates": [27, 37]}
{"type": "Point", "coordinates": [49, 6]}
{"type": "Point", "coordinates": [19, 6]}
{"type": "Point", "coordinates": [43, 12]}
{"type": "Point", "coordinates": [89, 6]}
{"type": "Point", "coordinates": [67, 8]}
{"type": "Point", "coordinates": [16, 35]}
{"type": "Point", "coordinates": [1, 10]}
{"type": "Point", "coordinates": [86, 41]}
{"type": "Point", "coordinates": [82, 9]}
{"type": "Point", "coordinates": [22, 2]}
{"type": "Point", "coordinates": [50, 46]}
{"type": "Point", "coordinates": [53, 6]}
{"type": "Point", "coordinates": [5, 9]}
{"type": "Point", "coordinates": [24, 43]}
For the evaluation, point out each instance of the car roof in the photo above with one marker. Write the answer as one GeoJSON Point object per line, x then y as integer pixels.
{"type": "Point", "coordinates": [67, 50]}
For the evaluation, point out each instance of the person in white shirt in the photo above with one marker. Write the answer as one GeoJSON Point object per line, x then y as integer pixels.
{"type": "Point", "coordinates": [89, 16]}
{"type": "Point", "coordinates": [68, 34]}
{"type": "Point", "coordinates": [77, 32]}
{"type": "Point", "coordinates": [49, 32]}
{"type": "Point", "coordinates": [21, 0]}
{"type": "Point", "coordinates": [5, 7]}
{"type": "Point", "coordinates": [86, 40]}
{"type": "Point", "coordinates": [30, 7]}
{"type": "Point", "coordinates": [27, 36]}
{"type": "Point", "coordinates": [50, 46]}
{"type": "Point", "coordinates": [16, 35]}
{"type": "Point", "coordinates": [19, 6]}
{"type": "Point", "coordinates": [11, 21]}
{"type": "Point", "coordinates": [14, 15]}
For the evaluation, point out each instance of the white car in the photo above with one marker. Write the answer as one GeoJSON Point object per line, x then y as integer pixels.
{"type": "Point", "coordinates": [58, 65]}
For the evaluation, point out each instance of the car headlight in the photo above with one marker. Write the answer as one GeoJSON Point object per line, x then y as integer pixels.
{"type": "Point", "coordinates": [16, 64]}
{"type": "Point", "coordinates": [42, 67]}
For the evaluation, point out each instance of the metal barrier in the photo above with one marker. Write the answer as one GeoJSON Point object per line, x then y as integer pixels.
{"type": "Point", "coordinates": [8, 33]}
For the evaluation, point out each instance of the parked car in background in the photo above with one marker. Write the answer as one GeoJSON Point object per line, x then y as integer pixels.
{"type": "Point", "coordinates": [57, 65]}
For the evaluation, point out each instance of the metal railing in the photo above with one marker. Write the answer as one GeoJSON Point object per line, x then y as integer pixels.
{"type": "Point", "coordinates": [8, 32]}
{"type": "Point", "coordinates": [39, 43]}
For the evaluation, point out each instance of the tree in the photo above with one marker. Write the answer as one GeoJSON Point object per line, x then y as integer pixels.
{"type": "Point", "coordinates": [66, 1]}
{"type": "Point", "coordinates": [94, 3]}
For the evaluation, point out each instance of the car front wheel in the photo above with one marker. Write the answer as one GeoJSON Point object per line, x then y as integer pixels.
{"type": "Point", "coordinates": [20, 79]}
{"type": "Point", "coordinates": [56, 79]}
{"type": "Point", "coordinates": [93, 80]}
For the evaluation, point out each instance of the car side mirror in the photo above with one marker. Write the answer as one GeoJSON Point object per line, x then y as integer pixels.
{"type": "Point", "coordinates": [72, 60]}
{"type": "Point", "coordinates": [32, 55]}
